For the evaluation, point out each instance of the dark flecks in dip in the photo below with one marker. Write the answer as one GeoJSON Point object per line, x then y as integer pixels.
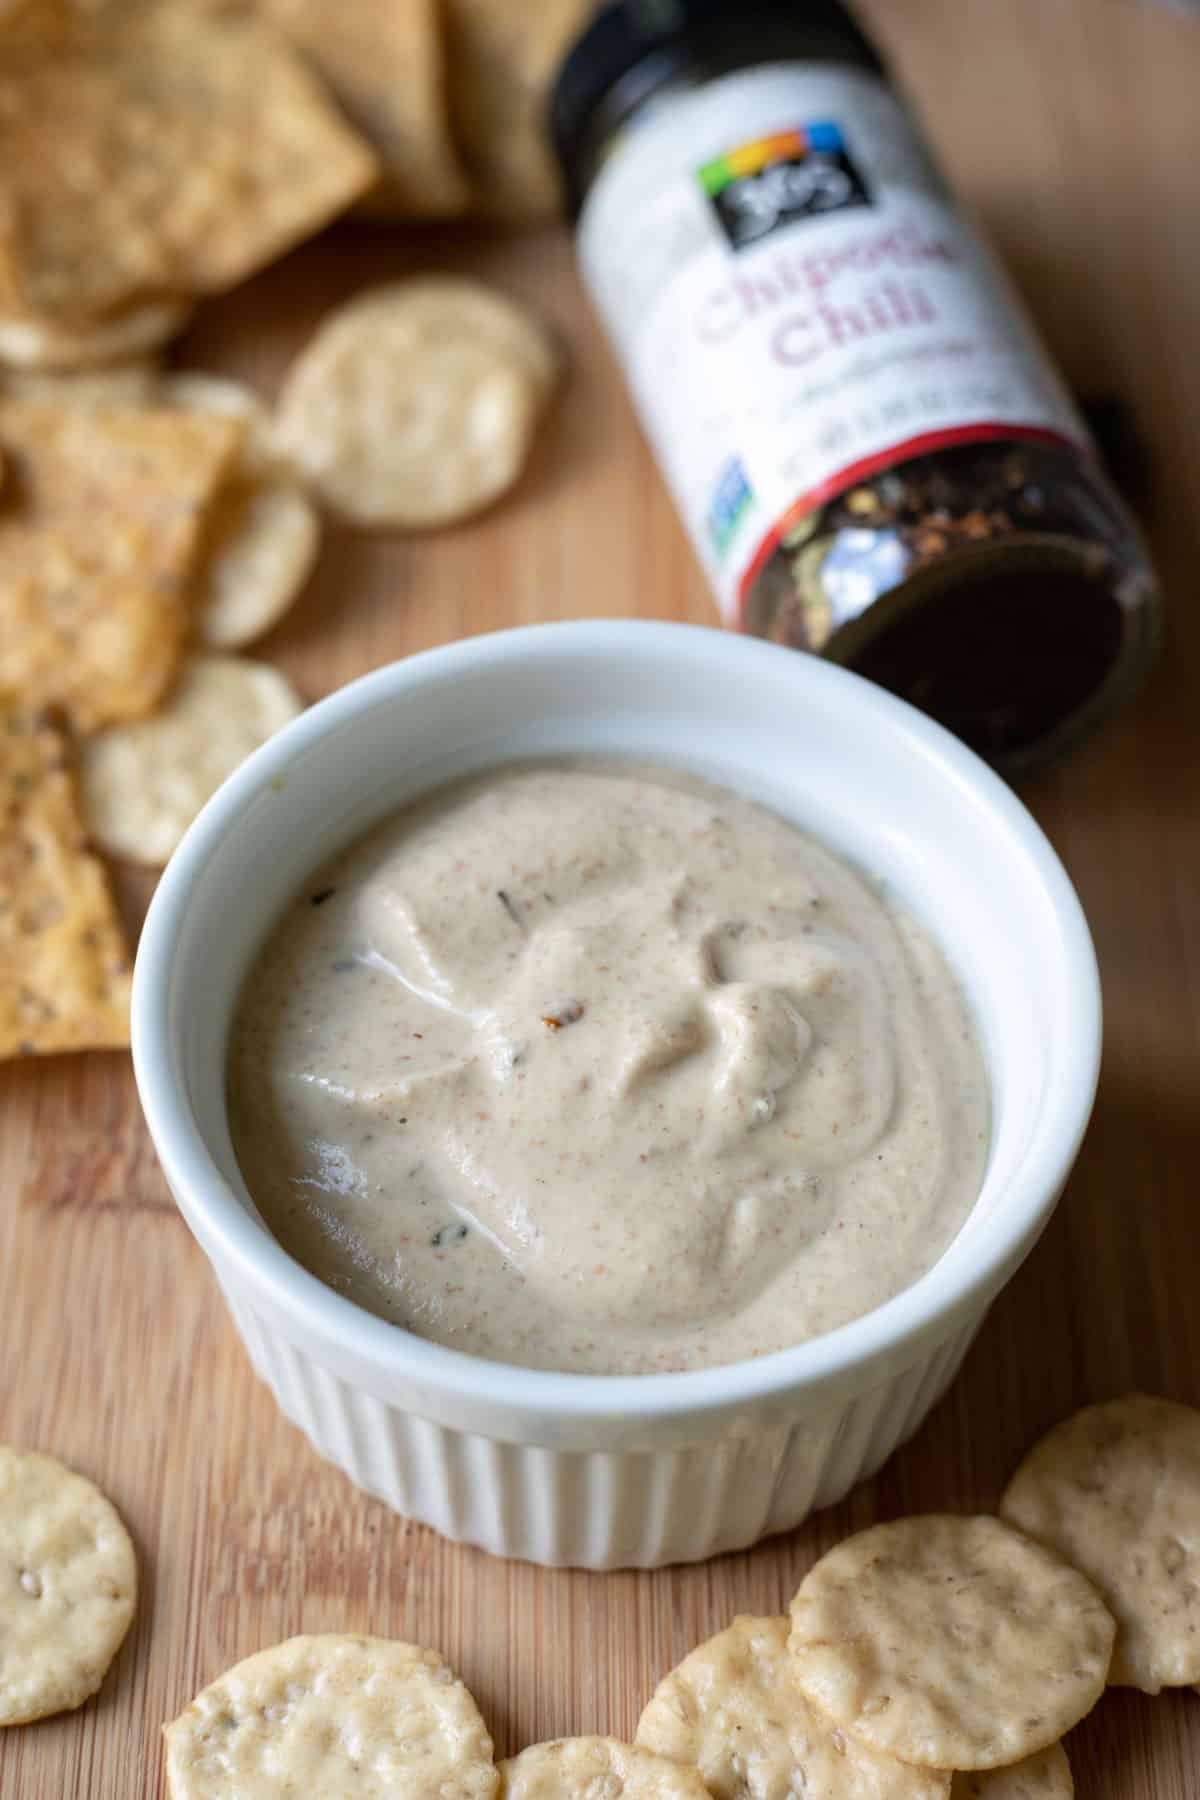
{"type": "Point", "coordinates": [322, 895]}
{"type": "Point", "coordinates": [511, 908]}
{"type": "Point", "coordinates": [569, 1013]}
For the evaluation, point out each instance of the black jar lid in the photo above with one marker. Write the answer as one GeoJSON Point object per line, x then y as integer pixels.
{"type": "Point", "coordinates": [631, 48]}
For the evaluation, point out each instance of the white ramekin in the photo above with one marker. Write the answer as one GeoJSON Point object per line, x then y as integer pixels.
{"type": "Point", "coordinates": [594, 1470]}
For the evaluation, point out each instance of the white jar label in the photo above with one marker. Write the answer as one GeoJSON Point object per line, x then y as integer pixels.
{"type": "Point", "coordinates": [798, 304]}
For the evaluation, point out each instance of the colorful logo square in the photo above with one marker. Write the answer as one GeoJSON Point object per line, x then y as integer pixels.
{"type": "Point", "coordinates": [804, 172]}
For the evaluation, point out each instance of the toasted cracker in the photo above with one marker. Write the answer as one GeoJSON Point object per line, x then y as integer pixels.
{"type": "Point", "coordinates": [143, 783]}
{"type": "Point", "coordinates": [953, 1643]}
{"type": "Point", "coordinates": [733, 1710]}
{"type": "Point", "coordinates": [174, 154]}
{"type": "Point", "coordinates": [99, 522]}
{"type": "Point", "coordinates": [385, 64]}
{"type": "Point", "coordinates": [33, 344]}
{"type": "Point", "coordinates": [262, 532]}
{"type": "Point", "coordinates": [417, 403]}
{"type": "Point", "coordinates": [125, 384]}
{"type": "Point", "coordinates": [503, 57]}
{"type": "Point", "coordinates": [1116, 1490]}
{"type": "Point", "coordinates": [1043, 1776]}
{"type": "Point", "coordinates": [332, 1716]}
{"type": "Point", "coordinates": [64, 963]}
{"type": "Point", "coordinates": [583, 1767]}
{"type": "Point", "coordinates": [68, 1586]}
{"type": "Point", "coordinates": [260, 549]}
{"type": "Point", "coordinates": [191, 390]}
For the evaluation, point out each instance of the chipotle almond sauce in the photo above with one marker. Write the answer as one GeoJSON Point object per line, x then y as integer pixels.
{"type": "Point", "coordinates": [598, 1068]}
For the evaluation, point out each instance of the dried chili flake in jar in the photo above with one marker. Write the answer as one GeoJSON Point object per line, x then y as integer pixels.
{"type": "Point", "coordinates": [873, 454]}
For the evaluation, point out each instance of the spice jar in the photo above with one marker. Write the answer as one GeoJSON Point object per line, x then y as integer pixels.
{"type": "Point", "coordinates": [871, 450]}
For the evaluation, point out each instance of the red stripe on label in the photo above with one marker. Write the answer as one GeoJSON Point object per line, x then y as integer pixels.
{"type": "Point", "coordinates": [921, 445]}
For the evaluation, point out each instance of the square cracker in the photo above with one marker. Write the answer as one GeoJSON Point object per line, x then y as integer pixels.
{"type": "Point", "coordinates": [170, 151]}
{"type": "Point", "coordinates": [503, 57]}
{"type": "Point", "coordinates": [386, 66]}
{"type": "Point", "coordinates": [64, 963]}
{"type": "Point", "coordinates": [99, 522]}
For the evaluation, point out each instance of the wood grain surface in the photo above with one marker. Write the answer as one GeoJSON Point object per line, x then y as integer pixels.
{"type": "Point", "coordinates": [1072, 126]}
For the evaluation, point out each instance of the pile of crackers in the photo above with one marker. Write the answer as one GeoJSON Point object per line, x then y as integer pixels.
{"type": "Point", "coordinates": [933, 1658]}
{"type": "Point", "coordinates": [153, 154]}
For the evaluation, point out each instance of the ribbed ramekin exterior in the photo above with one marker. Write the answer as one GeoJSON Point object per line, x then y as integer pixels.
{"type": "Point", "coordinates": [604, 1509]}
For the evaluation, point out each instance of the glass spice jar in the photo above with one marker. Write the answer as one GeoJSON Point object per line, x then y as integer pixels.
{"type": "Point", "coordinates": [873, 454]}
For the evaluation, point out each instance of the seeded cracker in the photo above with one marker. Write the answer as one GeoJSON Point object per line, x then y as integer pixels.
{"type": "Point", "coordinates": [417, 403]}
{"type": "Point", "coordinates": [585, 1767]}
{"type": "Point", "coordinates": [953, 1643]}
{"type": "Point", "coordinates": [1044, 1776]}
{"type": "Point", "coordinates": [732, 1708]}
{"type": "Point", "coordinates": [503, 56]}
{"type": "Point", "coordinates": [99, 522]}
{"type": "Point", "coordinates": [143, 783]}
{"type": "Point", "coordinates": [386, 66]}
{"type": "Point", "coordinates": [174, 153]}
{"type": "Point", "coordinates": [33, 344]}
{"type": "Point", "coordinates": [64, 964]}
{"type": "Point", "coordinates": [68, 1584]}
{"type": "Point", "coordinates": [332, 1716]}
{"type": "Point", "coordinates": [1116, 1490]}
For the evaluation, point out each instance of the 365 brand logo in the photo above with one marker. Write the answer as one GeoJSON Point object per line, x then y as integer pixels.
{"type": "Point", "coordinates": [803, 173]}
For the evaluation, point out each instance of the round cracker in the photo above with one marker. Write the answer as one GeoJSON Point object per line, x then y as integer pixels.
{"type": "Point", "coordinates": [417, 404]}
{"type": "Point", "coordinates": [954, 1643]}
{"type": "Point", "coordinates": [332, 1715]}
{"type": "Point", "coordinates": [1116, 1490]}
{"type": "Point", "coordinates": [68, 1585]}
{"type": "Point", "coordinates": [31, 344]}
{"type": "Point", "coordinates": [261, 544]}
{"type": "Point", "coordinates": [142, 783]}
{"type": "Point", "coordinates": [733, 1710]}
{"type": "Point", "coordinates": [583, 1767]}
{"type": "Point", "coordinates": [1044, 1776]}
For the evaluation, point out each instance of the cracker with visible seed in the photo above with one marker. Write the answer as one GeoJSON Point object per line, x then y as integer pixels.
{"type": "Point", "coordinates": [262, 533]}
{"type": "Point", "coordinates": [33, 344]}
{"type": "Point", "coordinates": [68, 1586]}
{"type": "Point", "coordinates": [582, 1767]}
{"type": "Point", "coordinates": [143, 783]}
{"type": "Point", "coordinates": [503, 57]}
{"type": "Point", "coordinates": [99, 523]}
{"type": "Point", "coordinates": [733, 1710]}
{"type": "Point", "coordinates": [1116, 1490]}
{"type": "Point", "coordinates": [953, 1643]}
{"type": "Point", "coordinates": [1044, 1776]}
{"type": "Point", "coordinates": [332, 1716]}
{"type": "Point", "coordinates": [386, 66]}
{"type": "Point", "coordinates": [177, 153]}
{"type": "Point", "coordinates": [64, 963]}
{"type": "Point", "coordinates": [417, 403]}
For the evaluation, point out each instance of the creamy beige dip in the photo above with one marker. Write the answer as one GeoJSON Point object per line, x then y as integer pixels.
{"type": "Point", "coordinates": [594, 1067]}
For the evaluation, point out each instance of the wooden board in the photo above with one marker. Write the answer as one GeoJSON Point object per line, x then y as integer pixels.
{"type": "Point", "coordinates": [1072, 125]}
